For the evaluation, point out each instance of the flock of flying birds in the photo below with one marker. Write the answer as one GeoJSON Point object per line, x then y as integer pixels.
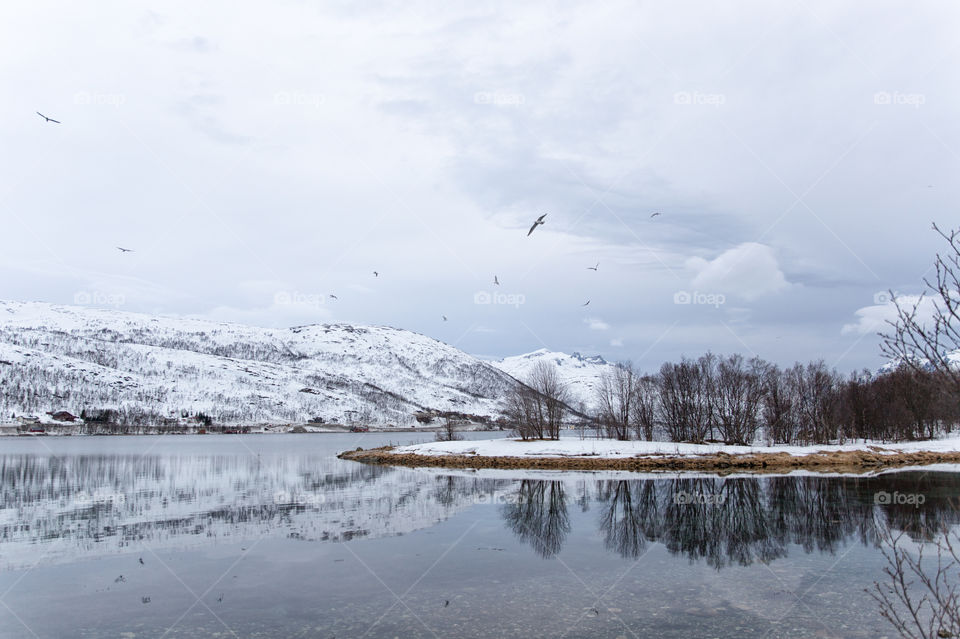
{"type": "Point", "coordinates": [538, 222]}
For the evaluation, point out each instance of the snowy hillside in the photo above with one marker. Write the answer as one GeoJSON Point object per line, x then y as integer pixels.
{"type": "Point", "coordinates": [580, 374]}
{"type": "Point", "coordinates": [75, 358]}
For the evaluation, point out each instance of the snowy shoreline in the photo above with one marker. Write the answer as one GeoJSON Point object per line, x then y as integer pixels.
{"type": "Point", "coordinates": [614, 449]}
{"type": "Point", "coordinates": [592, 454]}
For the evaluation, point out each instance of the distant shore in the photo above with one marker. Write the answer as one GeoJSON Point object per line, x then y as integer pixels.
{"type": "Point", "coordinates": [579, 455]}
{"type": "Point", "coordinates": [63, 431]}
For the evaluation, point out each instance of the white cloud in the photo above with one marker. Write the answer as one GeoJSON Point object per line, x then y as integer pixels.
{"type": "Point", "coordinates": [749, 270]}
{"type": "Point", "coordinates": [876, 318]}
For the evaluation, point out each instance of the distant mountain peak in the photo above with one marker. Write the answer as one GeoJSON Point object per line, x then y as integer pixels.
{"type": "Point", "coordinates": [580, 373]}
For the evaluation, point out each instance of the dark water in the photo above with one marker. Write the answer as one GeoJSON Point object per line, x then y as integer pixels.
{"type": "Point", "coordinates": [272, 536]}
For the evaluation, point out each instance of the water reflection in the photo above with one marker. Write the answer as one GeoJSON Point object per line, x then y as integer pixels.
{"type": "Point", "coordinates": [95, 504]}
{"type": "Point", "coordinates": [737, 521]}
{"type": "Point", "coordinates": [538, 515]}
{"type": "Point", "coordinates": [91, 505]}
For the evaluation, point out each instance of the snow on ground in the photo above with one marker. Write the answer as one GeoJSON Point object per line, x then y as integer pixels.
{"type": "Point", "coordinates": [612, 449]}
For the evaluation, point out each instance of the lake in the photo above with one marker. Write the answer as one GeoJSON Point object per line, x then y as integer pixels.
{"type": "Point", "coordinates": [272, 536]}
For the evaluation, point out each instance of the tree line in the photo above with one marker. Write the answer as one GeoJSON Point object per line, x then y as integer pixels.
{"type": "Point", "coordinates": [735, 400]}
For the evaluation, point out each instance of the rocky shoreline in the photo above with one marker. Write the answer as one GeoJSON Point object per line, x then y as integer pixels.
{"type": "Point", "coordinates": [823, 461]}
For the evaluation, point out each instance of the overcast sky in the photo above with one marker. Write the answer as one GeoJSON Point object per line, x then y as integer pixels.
{"type": "Point", "coordinates": [258, 157]}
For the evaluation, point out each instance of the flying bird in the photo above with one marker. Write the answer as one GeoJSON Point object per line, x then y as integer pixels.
{"type": "Point", "coordinates": [48, 119]}
{"type": "Point", "coordinates": [496, 281]}
{"type": "Point", "coordinates": [334, 297]}
{"type": "Point", "coordinates": [585, 303]}
{"type": "Point", "coordinates": [141, 560]}
{"type": "Point", "coordinates": [124, 250]}
{"type": "Point", "coordinates": [537, 223]}
{"type": "Point", "coordinates": [444, 317]}
{"type": "Point", "coordinates": [655, 214]}
{"type": "Point", "coordinates": [375, 274]}
{"type": "Point", "coordinates": [593, 268]}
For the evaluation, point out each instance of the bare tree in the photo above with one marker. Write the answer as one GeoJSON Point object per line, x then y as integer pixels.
{"type": "Point", "coordinates": [816, 398]}
{"type": "Point", "coordinates": [779, 407]}
{"type": "Point", "coordinates": [447, 432]}
{"type": "Point", "coordinates": [645, 410]}
{"type": "Point", "coordinates": [685, 398]}
{"type": "Point", "coordinates": [737, 396]}
{"type": "Point", "coordinates": [928, 343]}
{"type": "Point", "coordinates": [537, 408]}
{"type": "Point", "coordinates": [616, 398]}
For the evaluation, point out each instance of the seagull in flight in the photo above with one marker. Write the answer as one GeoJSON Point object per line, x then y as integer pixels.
{"type": "Point", "coordinates": [124, 250]}
{"type": "Point", "coordinates": [585, 303]}
{"type": "Point", "coordinates": [48, 119]}
{"type": "Point", "coordinates": [334, 297]}
{"type": "Point", "coordinates": [537, 223]}
{"type": "Point", "coordinates": [593, 268]}
{"type": "Point", "coordinates": [444, 317]}
{"type": "Point", "coordinates": [496, 281]}
{"type": "Point", "coordinates": [375, 274]}
{"type": "Point", "coordinates": [655, 214]}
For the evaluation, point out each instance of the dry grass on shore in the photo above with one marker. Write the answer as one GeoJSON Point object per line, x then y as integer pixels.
{"type": "Point", "coordinates": [834, 461]}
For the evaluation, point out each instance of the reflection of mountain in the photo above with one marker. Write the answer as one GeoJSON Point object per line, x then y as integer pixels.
{"type": "Point", "coordinates": [97, 504]}
{"type": "Point", "coordinates": [738, 520]}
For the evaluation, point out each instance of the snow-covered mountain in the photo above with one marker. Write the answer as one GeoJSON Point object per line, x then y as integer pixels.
{"type": "Point", "coordinates": [79, 358]}
{"type": "Point", "coordinates": [580, 374]}
{"type": "Point", "coordinates": [952, 357]}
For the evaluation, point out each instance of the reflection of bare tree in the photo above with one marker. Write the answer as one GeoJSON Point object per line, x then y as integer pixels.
{"type": "Point", "coordinates": [745, 520]}
{"type": "Point", "coordinates": [630, 515]}
{"type": "Point", "coordinates": [721, 521]}
{"type": "Point", "coordinates": [538, 516]}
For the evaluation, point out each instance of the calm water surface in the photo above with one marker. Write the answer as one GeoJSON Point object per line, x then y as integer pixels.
{"type": "Point", "coordinates": [272, 536]}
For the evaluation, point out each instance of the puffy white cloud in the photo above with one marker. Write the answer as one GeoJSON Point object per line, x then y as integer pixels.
{"type": "Point", "coordinates": [876, 318]}
{"type": "Point", "coordinates": [748, 270]}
